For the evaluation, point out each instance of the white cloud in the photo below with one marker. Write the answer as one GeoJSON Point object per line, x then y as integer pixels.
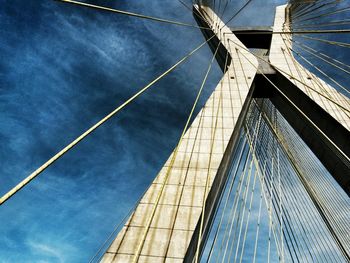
{"type": "Point", "coordinates": [46, 251]}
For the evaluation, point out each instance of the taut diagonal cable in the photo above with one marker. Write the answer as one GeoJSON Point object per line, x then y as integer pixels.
{"type": "Point", "coordinates": [335, 43]}
{"type": "Point", "coordinates": [239, 11]}
{"type": "Point", "coordinates": [330, 23]}
{"type": "Point", "coordinates": [42, 168]}
{"type": "Point", "coordinates": [300, 110]}
{"type": "Point", "coordinates": [315, 53]}
{"type": "Point", "coordinates": [289, 75]}
{"type": "Point", "coordinates": [121, 12]}
{"type": "Point", "coordinates": [299, 32]}
{"type": "Point", "coordinates": [149, 221]}
{"type": "Point", "coordinates": [313, 10]}
{"type": "Point", "coordinates": [326, 14]}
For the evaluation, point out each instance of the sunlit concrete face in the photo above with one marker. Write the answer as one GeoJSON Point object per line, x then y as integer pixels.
{"type": "Point", "coordinates": [323, 119]}
{"type": "Point", "coordinates": [284, 61]}
{"type": "Point", "coordinates": [183, 184]}
{"type": "Point", "coordinates": [191, 174]}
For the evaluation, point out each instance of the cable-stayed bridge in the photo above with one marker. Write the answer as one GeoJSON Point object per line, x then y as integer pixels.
{"type": "Point", "coordinates": [262, 174]}
{"type": "Point", "coordinates": [254, 175]}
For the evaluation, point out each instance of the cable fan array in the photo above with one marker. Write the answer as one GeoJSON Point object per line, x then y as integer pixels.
{"type": "Point", "coordinates": [266, 213]}
{"type": "Point", "coordinates": [279, 202]}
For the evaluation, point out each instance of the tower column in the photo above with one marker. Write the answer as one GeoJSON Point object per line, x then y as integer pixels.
{"type": "Point", "coordinates": [199, 168]}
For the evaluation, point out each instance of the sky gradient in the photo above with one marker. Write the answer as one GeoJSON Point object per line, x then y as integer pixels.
{"type": "Point", "coordinates": [63, 68]}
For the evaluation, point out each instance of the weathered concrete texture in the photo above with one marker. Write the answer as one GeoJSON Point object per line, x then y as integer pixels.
{"type": "Point", "coordinates": [319, 91]}
{"type": "Point", "coordinates": [205, 148]}
{"type": "Point", "coordinates": [194, 169]}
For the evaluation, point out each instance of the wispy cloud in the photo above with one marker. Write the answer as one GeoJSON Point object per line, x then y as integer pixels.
{"type": "Point", "coordinates": [47, 251]}
{"type": "Point", "coordinates": [62, 68]}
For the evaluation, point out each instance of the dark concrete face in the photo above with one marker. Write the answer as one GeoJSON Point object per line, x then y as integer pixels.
{"type": "Point", "coordinates": [316, 139]}
{"type": "Point", "coordinates": [254, 38]}
{"type": "Point", "coordinates": [329, 153]}
{"type": "Point", "coordinates": [222, 56]}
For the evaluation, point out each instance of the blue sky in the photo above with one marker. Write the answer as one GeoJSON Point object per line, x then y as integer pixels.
{"type": "Point", "coordinates": [62, 68]}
